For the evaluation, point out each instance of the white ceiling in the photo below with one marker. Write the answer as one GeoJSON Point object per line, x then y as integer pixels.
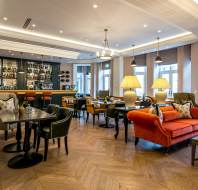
{"type": "Point", "coordinates": [81, 23]}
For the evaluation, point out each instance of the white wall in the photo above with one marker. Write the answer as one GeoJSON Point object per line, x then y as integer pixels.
{"type": "Point", "coordinates": [194, 69]}
{"type": "Point", "coordinates": [117, 75]}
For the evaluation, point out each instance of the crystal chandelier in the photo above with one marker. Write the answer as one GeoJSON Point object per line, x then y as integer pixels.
{"type": "Point", "coordinates": [105, 53]}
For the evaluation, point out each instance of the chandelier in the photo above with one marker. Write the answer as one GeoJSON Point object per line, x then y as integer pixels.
{"type": "Point", "coordinates": [105, 53]}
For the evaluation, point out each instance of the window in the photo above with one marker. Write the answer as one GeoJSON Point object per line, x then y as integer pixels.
{"type": "Point", "coordinates": [140, 72]}
{"type": "Point", "coordinates": [170, 73]}
{"type": "Point", "coordinates": [83, 79]}
{"type": "Point", "coordinates": [104, 76]}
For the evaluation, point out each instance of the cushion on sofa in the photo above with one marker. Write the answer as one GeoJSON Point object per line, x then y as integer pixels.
{"type": "Point", "coordinates": [176, 129]}
{"type": "Point", "coordinates": [170, 115]}
{"type": "Point", "coordinates": [183, 109]}
{"type": "Point", "coordinates": [193, 122]}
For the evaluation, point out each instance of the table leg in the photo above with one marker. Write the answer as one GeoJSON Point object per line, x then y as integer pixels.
{"type": "Point", "coordinates": [18, 146]}
{"type": "Point", "coordinates": [27, 159]}
{"type": "Point", "coordinates": [126, 127]}
{"type": "Point", "coordinates": [116, 126]}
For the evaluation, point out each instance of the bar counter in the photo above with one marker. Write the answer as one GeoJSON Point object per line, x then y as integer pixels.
{"type": "Point", "coordinates": [21, 92]}
{"type": "Point", "coordinates": [56, 95]}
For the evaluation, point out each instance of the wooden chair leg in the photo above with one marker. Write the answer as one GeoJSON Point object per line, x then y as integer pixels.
{"type": "Point", "coordinates": [38, 142]}
{"type": "Point", "coordinates": [46, 149]}
{"type": "Point", "coordinates": [87, 117]}
{"type": "Point", "coordinates": [136, 140]}
{"type": "Point", "coordinates": [6, 135]}
{"type": "Point", "coordinates": [98, 117]}
{"type": "Point", "coordinates": [93, 119]}
{"type": "Point", "coordinates": [53, 141]}
{"type": "Point", "coordinates": [58, 142]}
{"type": "Point", "coordinates": [66, 147]}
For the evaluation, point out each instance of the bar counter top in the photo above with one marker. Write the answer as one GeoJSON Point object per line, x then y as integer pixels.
{"type": "Point", "coordinates": [21, 92]}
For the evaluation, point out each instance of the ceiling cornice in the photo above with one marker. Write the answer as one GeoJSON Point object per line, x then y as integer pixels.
{"type": "Point", "coordinates": [36, 49]}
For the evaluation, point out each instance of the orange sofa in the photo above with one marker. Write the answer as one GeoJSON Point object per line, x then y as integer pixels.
{"type": "Point", "coordinates": [173, 130]}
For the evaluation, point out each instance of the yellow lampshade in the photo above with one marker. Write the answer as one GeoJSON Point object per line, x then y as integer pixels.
{"type": "Point", "coordinates": [161, 83]}
{"type": "Point", "coordinates": [130, 82]}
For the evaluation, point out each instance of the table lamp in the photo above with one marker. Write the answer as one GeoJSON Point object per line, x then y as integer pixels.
{"type": "Point", "coordinates": [129, 83]}
{"type": "Point", "coordinates": [161, 84]}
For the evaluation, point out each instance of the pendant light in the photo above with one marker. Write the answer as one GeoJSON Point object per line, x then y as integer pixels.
{"type": "Point", "coordinates": [105, 53]}
{"type": "Point", "coordinates": [133, 62]}
{"type": "Point", "coordinates": [21, 70]}
{"type": "Point", "coordinates": [158, 59]}
{"type": "Point", "coordinates": [42, 66]}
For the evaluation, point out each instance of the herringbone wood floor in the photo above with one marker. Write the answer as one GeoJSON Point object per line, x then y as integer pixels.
{"type": "Point", "coordinates": [97, 161]}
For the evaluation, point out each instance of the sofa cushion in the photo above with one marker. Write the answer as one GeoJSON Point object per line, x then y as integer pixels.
{"type": "Point", "coordinates": [170, 115]}
{"type": "Point", "coordinates": [176, 129]}
{"type": "Point", "coordinates": [184, 109]}
{"type": "Point", "coordinates": [156, 111]}
{"type": "Point", "coordinates": [193, 122]}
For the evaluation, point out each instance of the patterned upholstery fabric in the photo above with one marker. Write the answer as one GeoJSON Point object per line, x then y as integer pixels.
{"type": "Point", "coordinates": [6, 96]}
{"type": "Point", "coordinates": [184, 110]}
{"type": "Point", "coordinates": [7, 105]}
{"type": "Point", "coordinates": [183, 97]}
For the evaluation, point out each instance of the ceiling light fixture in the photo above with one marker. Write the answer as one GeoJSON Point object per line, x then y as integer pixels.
{"type": "Point", "coordinates": [196, 1]}
{"type": "Point", "coordinates": [95, 6]}
{"type": "Point", "coordinates": [145, 25]}
{"type": "Point", "coordinates": [133, 62]}
{"type": "Point", "coordinates": [159, 31]}
{"type": "Point", "coordinates": [158, 59]}
{"type": "Point", "coordinates": [106, 53]}
{"type": "Point", "coordinates": [33, 25]}
{"type": "Point", "coordinates": [5, 18]}
{"type": "Point", "coordinates": [61, 31]}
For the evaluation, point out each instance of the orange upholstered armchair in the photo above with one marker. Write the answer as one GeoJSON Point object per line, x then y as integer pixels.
{"type": "Point", "coordinates": [91, 109]}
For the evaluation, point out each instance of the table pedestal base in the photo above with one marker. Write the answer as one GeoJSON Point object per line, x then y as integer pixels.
{"type": "Point", "coordinates": [13, 147]}
{"type": "Point", "coordinates": [25, 161]}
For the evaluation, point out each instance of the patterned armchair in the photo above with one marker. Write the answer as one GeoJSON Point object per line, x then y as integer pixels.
{"type": "Point", "coordinates": [6, 96]}
{"type": "Point", "coordinates": [182, 97]}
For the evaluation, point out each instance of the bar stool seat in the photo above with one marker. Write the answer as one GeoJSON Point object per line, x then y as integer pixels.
{"type": "Point", "coordinates": [30, 97]}
{"type": "Point", "coordinates": [47, 97]}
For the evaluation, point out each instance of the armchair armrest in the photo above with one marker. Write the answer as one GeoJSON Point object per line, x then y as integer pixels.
{"type": "Point", "coordinates": [142, 118]}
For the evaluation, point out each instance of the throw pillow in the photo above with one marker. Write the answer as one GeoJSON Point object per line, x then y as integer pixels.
{"type": "Point", "coordinates": [156, 111]}
{"type": "Point", "coordinates": [194, 113]}
{"type": "Point", "coordinates": [183, 109]}
{"type": "Point", "coordinates": [7, 105]}
{"type": "Point", "coordinates": [170, 115]}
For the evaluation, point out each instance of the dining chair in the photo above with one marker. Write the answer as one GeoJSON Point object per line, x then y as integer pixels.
{"type": "Point", "coordinates": [51, 109]}
{"type": "Point", "coordinates": [92, 109]}
{"type": "Point", "coordinates": [56, 129]}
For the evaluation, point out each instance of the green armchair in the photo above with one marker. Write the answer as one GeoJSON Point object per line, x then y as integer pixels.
{"type": "Point", "coordinates": [56, 129]}
{"type": "Point", "coordinates": [182, 97]}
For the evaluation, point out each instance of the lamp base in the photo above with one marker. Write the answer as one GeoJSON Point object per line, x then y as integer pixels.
{"type": "Point", "coordinates": [130, 98]}
{"type": "Point", "coordinates": [161, 97]}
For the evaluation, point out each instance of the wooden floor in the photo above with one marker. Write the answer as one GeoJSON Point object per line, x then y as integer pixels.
{"type": "Point", "coordinates": [97, 161]}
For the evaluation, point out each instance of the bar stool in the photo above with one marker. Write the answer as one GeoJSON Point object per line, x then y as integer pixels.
{"type": "Point", "coordinates": [194, 143]}
{"type": "Point", "coordinates": [47, 97]}
{"type": "Point", "coordinates": [30, 97]}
